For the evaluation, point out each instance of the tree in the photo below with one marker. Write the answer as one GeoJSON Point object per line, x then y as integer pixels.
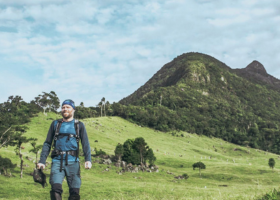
{"type": "Point", "coordinates": [119, 151]}
{"type": "Point", "coordinates": [271, 163]}
{"type": "Point", "coordinates": [137, 152]}
{"type": "Point", "coordinates": [139, 144]}
{"type": "Point", "coordinates": [19, 140]}
{"type": "Point", "coordinates": [127, 150]}
{"type": "Point", "coordinates": [108, 105]}
{"type": "Point", "coordinates": [54, 101]}
{"type": "Point", "coordinates": [103, 103]}
{"type": "Point", "coordinates": [9, 119]}
{"type": "Point", "coordinates": [100, 106]}
{"type": "Point", "coordinates": [47, 101]}
{"type": "Point", "coordinates": [199, 165]}
{"type": "Point", "coordinates": [35, 150]}
{"type": "Point", "coordinates": [150, 156]}
{"type": "Point", "coordinates": [5, 164]}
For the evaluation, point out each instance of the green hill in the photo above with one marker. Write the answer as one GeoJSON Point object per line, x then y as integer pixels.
{"type": "Point", "coordinates": [232, 171]}
{"type": "Point", "coordinates": [199, 94]}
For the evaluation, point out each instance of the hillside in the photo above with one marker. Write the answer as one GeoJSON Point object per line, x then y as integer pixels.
{"type": "Point", "coordinates": [232, 171]}
{"type": "Point", "coordinates": [199, 94]}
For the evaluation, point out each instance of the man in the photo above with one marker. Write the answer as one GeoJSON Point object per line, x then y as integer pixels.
{"type": "Point", "coordinates": [65, 135]}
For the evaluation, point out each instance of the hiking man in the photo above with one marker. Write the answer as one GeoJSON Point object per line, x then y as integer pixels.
{"type": "Point", "coordinates": [65, 134]}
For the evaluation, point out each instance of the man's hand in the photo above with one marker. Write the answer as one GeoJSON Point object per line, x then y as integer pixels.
{"type": "Point", "coordinates": [88, 164]}
{"type": "Point", "coordinates": [41, 166]}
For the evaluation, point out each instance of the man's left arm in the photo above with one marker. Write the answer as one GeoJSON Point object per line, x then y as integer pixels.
{"type": "Point", "coordinates": [85, 144]}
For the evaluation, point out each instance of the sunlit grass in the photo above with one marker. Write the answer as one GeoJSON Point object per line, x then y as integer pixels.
{"type": "Point", "coordinates": [233, 172]}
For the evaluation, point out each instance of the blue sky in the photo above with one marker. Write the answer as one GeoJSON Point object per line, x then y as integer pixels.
{"type": "Point", "coordinates": [86, 50]}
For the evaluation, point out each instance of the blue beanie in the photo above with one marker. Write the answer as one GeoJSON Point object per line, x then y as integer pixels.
{"type": "Point", "coordinates": [69, 102]}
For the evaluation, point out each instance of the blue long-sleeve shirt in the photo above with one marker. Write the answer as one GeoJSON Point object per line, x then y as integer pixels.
{"type": "Point", "coordinates": [65, 144]}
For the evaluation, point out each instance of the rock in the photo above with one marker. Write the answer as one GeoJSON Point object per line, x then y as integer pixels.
{"type": "Point", "coordinates": [123, 164]}
{"type": "Point", "coordinates": [118, 164]}
{"type": "Point", "coordinates": [107, 161]}
{"type": "Point", "coordinates": [135, 170]}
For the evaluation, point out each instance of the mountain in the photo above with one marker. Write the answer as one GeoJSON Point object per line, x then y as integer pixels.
{"type": "Point", "coordinates": [255, 72]}
{"type": "Point", "coordinates": [200, 94]}
{"type": "Point", "coordinates": [172, 73]}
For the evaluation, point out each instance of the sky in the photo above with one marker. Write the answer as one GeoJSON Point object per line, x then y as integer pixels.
{"type": "Point", "coordinates": [86, 50]}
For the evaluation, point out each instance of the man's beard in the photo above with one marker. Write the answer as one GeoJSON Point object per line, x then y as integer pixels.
{"type": "Point", "coordinates": [68, 116]}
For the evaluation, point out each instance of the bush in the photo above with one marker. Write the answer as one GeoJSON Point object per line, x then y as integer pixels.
{"type": "Point", "coordinates": [185, 176]}
{"type": "Point", "coordinates": [100, 152]}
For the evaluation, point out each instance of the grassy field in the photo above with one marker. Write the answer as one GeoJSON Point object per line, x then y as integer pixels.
{"type": "Point", "coordinates": [232, 171]}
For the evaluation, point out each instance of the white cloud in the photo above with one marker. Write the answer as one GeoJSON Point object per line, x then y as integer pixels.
{"type": "Point", "coordinates": [91, 49]}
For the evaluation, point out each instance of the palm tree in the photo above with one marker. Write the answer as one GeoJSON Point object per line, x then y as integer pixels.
{"type": "Point", "coordinates": [103, 103]}
{"type": "Point", "coordinates": [100, 106]}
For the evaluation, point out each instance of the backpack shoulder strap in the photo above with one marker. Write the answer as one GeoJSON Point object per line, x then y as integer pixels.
{"type": "Point", "coordinates": [77, 128]}
{"type": "Point", "coordinates": [77, 137]}
{"type": "Point", "coordinates": [56, 133]}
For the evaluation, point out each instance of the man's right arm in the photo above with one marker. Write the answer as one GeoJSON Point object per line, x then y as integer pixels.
{"type": "Point", "coordinates": [47, 145]}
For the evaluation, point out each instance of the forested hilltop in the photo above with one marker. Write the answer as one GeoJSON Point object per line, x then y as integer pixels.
{"type": "Point", "coordinates": [199, 94]}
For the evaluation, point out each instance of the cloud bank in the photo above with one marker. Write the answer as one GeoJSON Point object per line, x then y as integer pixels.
{"type": "Point", "coordinates": [88, 50]}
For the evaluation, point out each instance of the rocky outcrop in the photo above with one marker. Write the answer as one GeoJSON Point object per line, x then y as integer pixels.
{"type": "Point", "coordinates": [111, 160]}
{"type": "Point", "coordinates": [256, 73]}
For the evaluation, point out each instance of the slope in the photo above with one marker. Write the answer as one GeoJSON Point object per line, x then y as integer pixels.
{"type": "Point", "coordinates": [199, 94]}
{"type": "Point", "coordinates": [232, 171]}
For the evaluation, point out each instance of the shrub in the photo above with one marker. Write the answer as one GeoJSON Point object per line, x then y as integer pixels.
{"type": "Point", "coordinates": [185, 176]}
{"type": "Point", "coordinates": [100, 152]}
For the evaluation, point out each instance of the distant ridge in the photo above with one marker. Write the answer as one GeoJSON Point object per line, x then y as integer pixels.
{"type": "Point", "coordinates": [256, 73]}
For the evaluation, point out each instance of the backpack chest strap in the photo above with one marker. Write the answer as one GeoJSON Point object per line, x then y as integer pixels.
{"type": "Point", "coordinates": [58, 126]}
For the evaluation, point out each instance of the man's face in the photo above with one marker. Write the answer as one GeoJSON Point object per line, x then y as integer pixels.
{"type": "Point", "coordinates": [67, 111]}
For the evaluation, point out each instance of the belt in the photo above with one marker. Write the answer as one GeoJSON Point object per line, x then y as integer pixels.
{"type": "Point", "coordinates": [61, 153]}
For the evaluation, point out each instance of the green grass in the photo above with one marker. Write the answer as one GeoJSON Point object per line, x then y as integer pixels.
{"type": "Point", "coordinates": [247, 177]}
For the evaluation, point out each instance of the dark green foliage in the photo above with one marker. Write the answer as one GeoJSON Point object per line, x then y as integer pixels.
{"type": "Point", "coordinates": [5, 164]}
{"type": "Point", "coordinates": [20, 139]}
{"type": "Point", "coordinates": [199, 94]}
{"type": "Point", "coordinates": [199, 165]}
{"type": "Point", "coordinates": [130, 155]}
{"type": "Point", "coordinates": [13, 113]}
{"type": "Point", "coordinates": [47, 101]}
{"type": "Point", "coordinates": [139, 145]}
{"type": "Point", "coordinates": [136, 152]}
{"type": "Point", "coordinates": [82, 112]}
{"type": "Point", "coordinates": [36, 149]}
{"type": "Point", "coordinates": [271, 163]}
{"type": "Point", "coordinates": [99, 152]}
{"type": "Point", "coordinates": [150, 156]}
{"type": "Point", "coordinates": [119, 151]}
{"type": "Point", "coordinates": [185, 176]}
